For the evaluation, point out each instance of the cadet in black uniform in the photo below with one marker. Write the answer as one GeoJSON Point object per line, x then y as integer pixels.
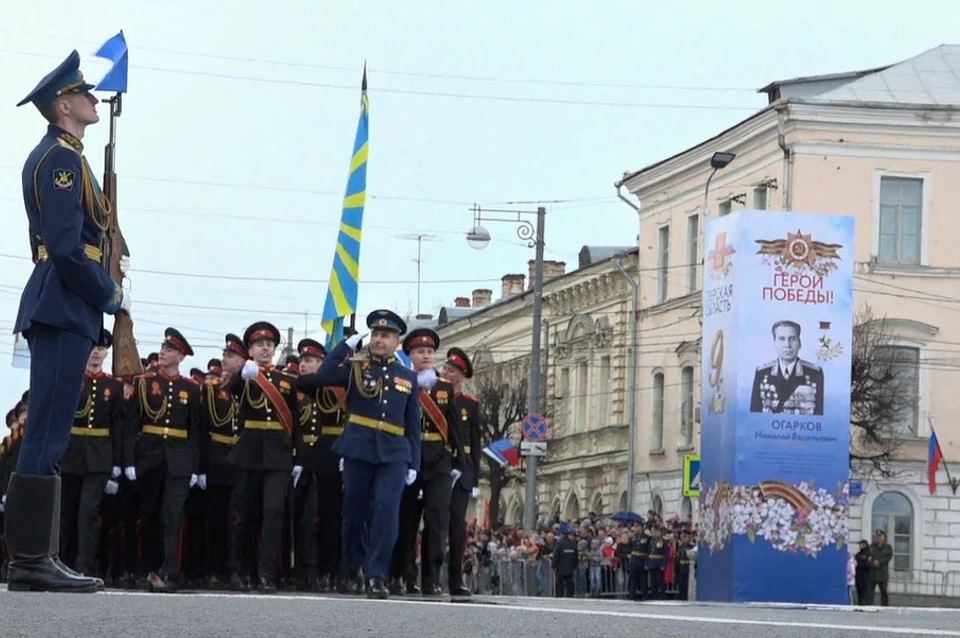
{"type": "Point", "coordinates": [94, 456]}
{"type": "Point", "coordinates": [323, 426]}
{"type": "Point", "coordinates": [456, 368]}
{"type": "Point", "coordinates": [220, 411]}
{"type": "Point", "coordinates": [162, 452]}
{"type": "Point", "coordinates": [639, 549]}
{"type": "Point", "coordinates": [264, 452]}
{"type": "Point", "coordinates": [682, 569]}
{"type": "Point", "coordinates": [656, 559]}
{"type": "Point", "coordinates": [438, 411]}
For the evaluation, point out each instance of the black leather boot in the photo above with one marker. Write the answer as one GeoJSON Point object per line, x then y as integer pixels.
{"type": "Point", "coordinates": [32, 526]}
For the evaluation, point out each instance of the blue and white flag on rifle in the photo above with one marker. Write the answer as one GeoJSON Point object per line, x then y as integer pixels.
{"type": "Point", "coordinates": [404, 359]}
{"type": "Point", "coordinates": [115, 50]}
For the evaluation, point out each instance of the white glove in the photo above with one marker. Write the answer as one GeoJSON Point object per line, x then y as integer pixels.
{"type": "Point", "coordinates": [125, 302]}
{"type": "Point", "coordinates": [341, 465]}
{"type": "Point", "coordinates": [249, 371]}
{"type": "Point", "coordinates": [111, 487]}
{"type": "Point", "coordinates": [297, 470]}
{"type": "Point", "coordinates": [115, 472]}
{"type": "Point", "coordinates": [193, 479]}
{"type": "Point", "coordinates": [355, 339]}
{"type": "Point", "coordinates": [131, 473]}
{"type": "Point", "coordinates": [202, 481]}
{"type": "Point", "coordinates": [3, 503]}
{"type": "Point", "coordinates": [455, 474]}
{"type": "Point", "coordinates": [427, 379]}
{"type": "Point", "coordinates": [411, 476]}
{"type": "Point", "coordinates": [124, 265]}
{"type": "Point", "coordinates": [420, 496]}
{"type": "Point", "coordinates": [475, 492]}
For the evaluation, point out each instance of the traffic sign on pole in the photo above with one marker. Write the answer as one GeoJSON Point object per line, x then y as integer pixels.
{"type": "Point", "coordinates": [691, 475]}
{"type": "Point", "coordinates": [534, 427]}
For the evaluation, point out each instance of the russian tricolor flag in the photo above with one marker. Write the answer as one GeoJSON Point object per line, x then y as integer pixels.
{"type": "Point", "coordinates": [934, 456]}
{"type": "Point", "coordinates": [503, 452]}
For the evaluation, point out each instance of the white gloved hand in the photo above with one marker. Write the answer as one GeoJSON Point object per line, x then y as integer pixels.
{"type": "Point", "coordinates": [193, 479]}
{"type": "Point", "coordinates": [249, 371]}
{"type": "Point", "coordinates": [111, 487]}
{"type": "Point", "coordinates": [115, 472]}
{"type": "Point", "coordinates": [341, 465]}
{"type": "Point", "coordinates": [3, 502]}
{"type": "Point", "coordinates": [202, 481]}
{"type": "Point", "coordinates": [131, 473]}
{"type": "Point", "coordinates": [297, 471]}
{"type": "Point", "coordinates": [420, 496]}
{"type": "Point", "coordinates": [455, 475]}
{"type": "Point", "coordinates": [125, 302]}
{"type": "Point", "coordinates": [124, 265]}
{"type": "Point", "coordinates": [355, 339]}
{"type": "Point", "coordinates": [411, 476]}
{"type": "Point", "coordinates": [475, 493]}
{"type": "Point", "coordinates": [427, 379]}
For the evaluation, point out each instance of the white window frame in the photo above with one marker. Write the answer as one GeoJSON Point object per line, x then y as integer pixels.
{"type": "Point", "coordinates": [926, 198]}
{"type": "Point", "coordinates": [757, 190]}
{"type": "Point", "coordinates": [923, 428]}
{"type": "Point", "coordinates": [693, 254]}
{"type": "Point", "coordinates": [724, 207]}
{"type": "Point", "coordinates": [663, 263]}
{"type": "Point", "coordinates": [658, 430]}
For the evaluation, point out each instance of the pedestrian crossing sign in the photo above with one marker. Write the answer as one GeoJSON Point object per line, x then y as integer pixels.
{"type": "Point", "coordinates": [691, 475]}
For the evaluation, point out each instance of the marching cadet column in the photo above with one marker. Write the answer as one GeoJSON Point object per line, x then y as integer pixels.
{"type": "Point", "coordinates": [162, 453]}
{"type": "Point", "coordinates": [456, 368]}
{"type": "Point", "coordinates": [264, 453]}
{"type": "Point", "coordinates": [92, 460]}
{"type": "Point", "coordinates": [380, 445]}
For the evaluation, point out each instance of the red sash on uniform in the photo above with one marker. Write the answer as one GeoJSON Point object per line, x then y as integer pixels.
{"type": "Point", "coordinates": [341, 395]}
{"type": "Point", "coordinates": [274, 396]}
{"type": "Point", "coordinates": [435, 414]}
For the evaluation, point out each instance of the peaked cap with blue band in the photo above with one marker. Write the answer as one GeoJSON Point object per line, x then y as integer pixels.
{"type": "Point", "coordinates": [66, 78]}
{"type": "Point", "coordinates": [386, 320]}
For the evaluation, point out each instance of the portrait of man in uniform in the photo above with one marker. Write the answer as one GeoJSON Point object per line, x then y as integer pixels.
{"type": "Point", "coordinates": [788, 384]}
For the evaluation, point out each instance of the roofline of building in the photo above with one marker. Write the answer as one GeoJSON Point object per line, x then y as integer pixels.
{"type": "Point", "coordinates": [846, 75]}
{"type": "Point", "coordinates": [520, 297]}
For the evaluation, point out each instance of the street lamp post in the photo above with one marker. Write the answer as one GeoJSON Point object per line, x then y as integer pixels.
{"type": "Point", "coordinates": [478, 238]}
{"type": "Point", "coordinates": [719, 161]}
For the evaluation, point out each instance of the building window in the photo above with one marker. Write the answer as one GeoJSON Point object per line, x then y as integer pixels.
{"type": "Point", "coordinates": [725, 207]}
{"type": "Point", "coordinates": [686, 407]}
{"type": "Point", "coordinates": [663, 263]}
{"type": "Point", "coordinates": [904, 364]}
{"type": "Point", "coordinates": [603, 393]}
{"type": "Point", "coordinates": [693, 251]}
{"type": "Point", "coordinates": [760, 198]}
{"type": "Point", "coordinates": [686, 509]}
{"type": "Point", "coordinates": [583, 395]}
{"type": "Point", "coordinates": [563, 393]}
{"type": "Point", "coordinates": [656, 441]}
{"type": "Point", "coordinates": [657, 505]}
{"type": "Point", "coordinates": [893, 514]}
{"type": "Point", "coordinates": [901, 203]}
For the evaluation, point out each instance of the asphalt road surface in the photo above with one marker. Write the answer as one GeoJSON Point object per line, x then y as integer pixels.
{"type": "Point", "coordinates": [208, 615]}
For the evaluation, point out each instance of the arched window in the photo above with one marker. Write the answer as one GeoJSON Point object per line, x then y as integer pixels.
{"type": "Point", "coordinates": [657, 505]}
{"type": "Point", "coordinates": [622, 503]}
{"type": "Point", "coordinates": [572, 511]}
{"type": "Point", "coordinates": [686, 509]}
{"type": "Point", "coordinates": [656, 434]}
{"type": "Point", "coordinates": [893, 513]}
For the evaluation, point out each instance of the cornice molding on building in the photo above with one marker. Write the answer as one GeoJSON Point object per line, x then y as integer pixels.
{"type": "Point", "coordinates": [876, 151]}
{"type": "Point", "coordinates": [873, 114]}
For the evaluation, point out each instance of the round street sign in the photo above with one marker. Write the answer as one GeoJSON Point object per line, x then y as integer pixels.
{"type": "Point", "coordinates": [534, 427]}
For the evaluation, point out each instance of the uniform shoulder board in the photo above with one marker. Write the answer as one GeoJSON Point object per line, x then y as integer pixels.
{"type": "Point", "coordinates": [64, 144]}
{"type": "Point", "coordinates": [809, 364]}
{"type": "Point", "coordinates": [766, 365]}
{"type": "Point", "coordinates": [469, 397]}
{"type": "Point", "coordinates": [192, 382]}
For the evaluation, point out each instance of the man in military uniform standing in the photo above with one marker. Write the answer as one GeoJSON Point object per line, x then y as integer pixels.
{"type": "Point", "coordinates": [788, 385]}
{"type": "Point", "coordinates": [456, 368]}
{"type": "Point", "coordinates": [162, 453]}
{"type": "Point", "coordinates": [93, 457]}
{"type": "Point", "coordinates": [220, 411]}
{"type": "Point", "coordinates": [60, 315]}
{"type": "Point", "coordinates": [380, 445]}
{"type": "Point", "coordinates": [440, 438]}
{"type": "Point", "coordinates": [264, 452]}
{"type": "Point", "coordinates": [639, 551]}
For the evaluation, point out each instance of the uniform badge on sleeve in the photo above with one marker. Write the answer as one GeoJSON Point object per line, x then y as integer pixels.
{"type": "Point", "coordinates": [63, 179]}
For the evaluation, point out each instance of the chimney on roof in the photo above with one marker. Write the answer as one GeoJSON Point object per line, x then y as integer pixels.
{"type": "Point", "coordinates": [512, 285]}
{"type": "Point", "coordinates": [423, 317]}
{"type": "Point", "coordinates": [482, 297]}
{"type": "Point", "coordinates": [551, 270]}
{"type": "Point", "coordinates": [461, 302]}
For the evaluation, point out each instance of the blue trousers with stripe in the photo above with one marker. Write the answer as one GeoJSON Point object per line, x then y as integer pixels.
{"type": "Point", "coordinates": [371, 514]}
{"type": "Point", "coordinates": [57, 361]}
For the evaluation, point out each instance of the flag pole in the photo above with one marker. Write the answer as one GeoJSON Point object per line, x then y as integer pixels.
{"type": "Point", "coordinates": [954, 484]}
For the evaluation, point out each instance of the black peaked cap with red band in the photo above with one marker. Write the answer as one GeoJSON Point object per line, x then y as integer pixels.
{"type": "Point", "coordinates": [214, 366]}
{"type": "Point", "coordinates": [197, 375]}
{"type": "Point", "coordinates": [153, 357]}
{"type": "Point", "coordinates": [459, 360]}
{"type": "Point", "coordinates": [312, 348]}
{"type": "Point", "coordinates": [234, 344]}
{"type": "Point", "coordinates": [261, 330]}
{"type": "Point", "coordinates": [173, 338]}
{"type": "Point", "coordinates": [292, 362]}
{"type": "Point", "coordinates": [421, 338]}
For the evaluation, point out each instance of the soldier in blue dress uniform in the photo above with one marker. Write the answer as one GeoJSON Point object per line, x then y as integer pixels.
{"type": "Point", "coordinates": [60, 315]}
{"type": "Point", "coordinates": [380, 445]}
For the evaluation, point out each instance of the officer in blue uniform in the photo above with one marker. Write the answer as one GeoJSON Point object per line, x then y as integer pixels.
{"type": "Point", "coordinates": [380, 445]}
{"type": "Point", "coordinates": [61, 315]}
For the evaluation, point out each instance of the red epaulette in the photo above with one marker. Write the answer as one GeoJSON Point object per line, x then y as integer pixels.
{"type": "Point", "coordinates": [469, 396]}
{"type": "Point", "coordinates": [190, 379]}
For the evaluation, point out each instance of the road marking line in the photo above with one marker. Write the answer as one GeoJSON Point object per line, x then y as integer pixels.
{"type": "Point", "coordinates": [707, 620]}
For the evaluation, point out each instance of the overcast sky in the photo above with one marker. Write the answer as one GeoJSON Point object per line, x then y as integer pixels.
{"type": "Point", "coordinates": [236, 134]}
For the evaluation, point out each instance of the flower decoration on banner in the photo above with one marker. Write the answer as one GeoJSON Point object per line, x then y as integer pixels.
{"type": "Point", "coordinates": [791, 518]}
{"type": "Point", "coordinates": [798, 253]}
